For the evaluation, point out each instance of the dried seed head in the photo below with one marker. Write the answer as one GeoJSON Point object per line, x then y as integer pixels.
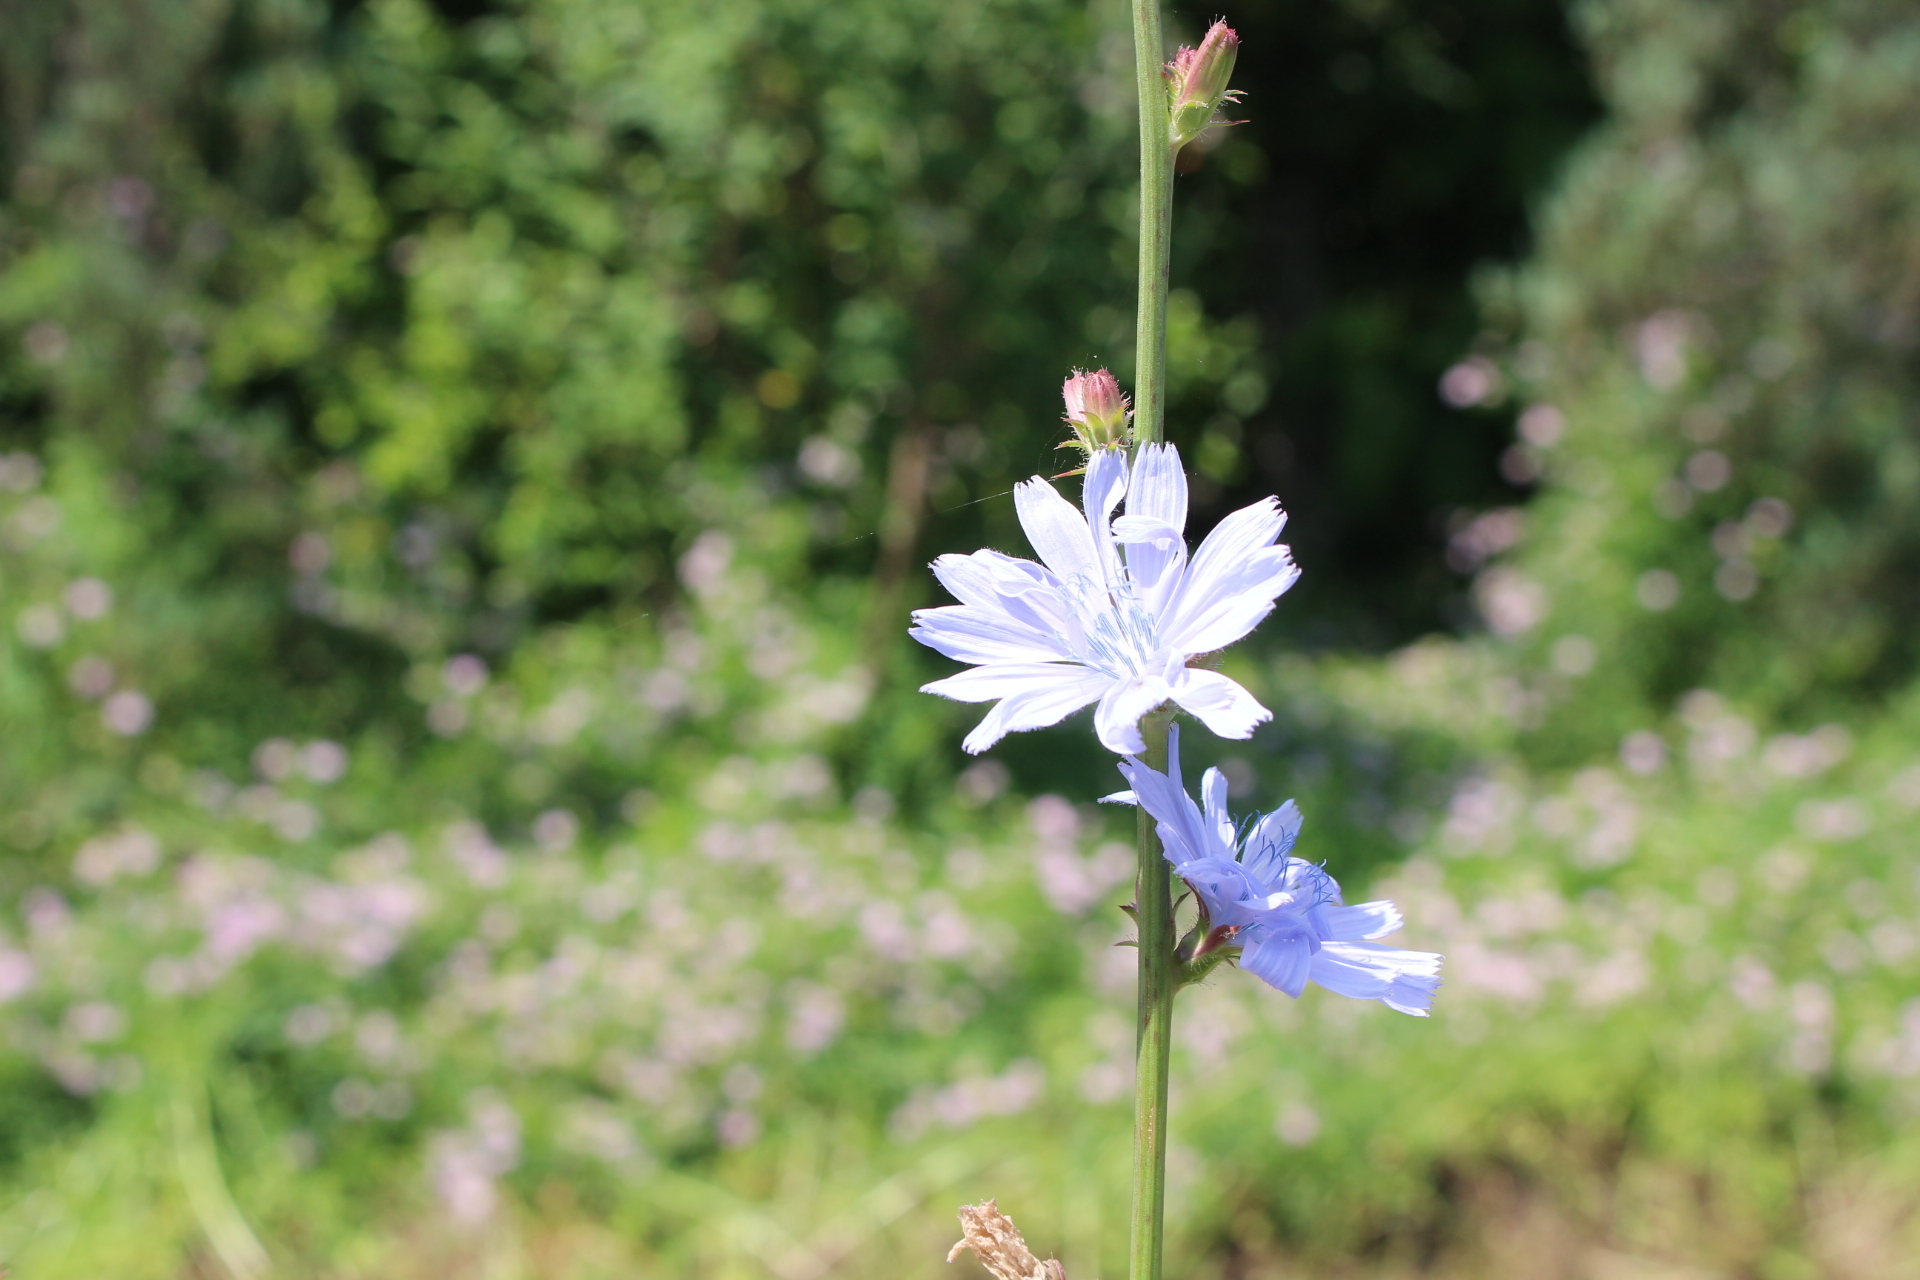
{"type": "Point", "coordinates": [999, 1246]}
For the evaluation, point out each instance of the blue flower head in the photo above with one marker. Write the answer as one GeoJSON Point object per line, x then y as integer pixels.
{"type": "Point", "coordinates": [1115, 609]}
{"type": "Point", "coordinates": [1285, 915]}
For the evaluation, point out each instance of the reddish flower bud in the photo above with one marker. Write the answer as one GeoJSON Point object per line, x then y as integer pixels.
{"type": "Point", "coordinates": [1094, 400]}
{"type": "Point", "coordinates": [1096, 410]}
{"type": "Point", "coordinates": [1197, 83]}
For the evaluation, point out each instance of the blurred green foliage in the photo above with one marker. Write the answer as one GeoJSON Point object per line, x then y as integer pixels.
{"type": "Point", "coordinates": [462, 473]}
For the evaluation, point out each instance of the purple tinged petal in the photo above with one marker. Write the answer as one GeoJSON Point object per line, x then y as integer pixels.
{"type": "Point", "coordinates": [1412, 995]}
{"type": "Point", "coordinates": [1241, 533]}
{"type": "Point", "coordinates": [1183, 830]}
{"type": "Point", "coordinates": [1361, 922]}
{"type": "Point", "coordinates": [1181, 837]}
{"type": "Point", "coordinates": [1270, 841]}
{"type": "Point", "coordinates": [1402, 980]}
{"type": "Point", "coordinates": [1280, 955]}
{"type": "Point", "coordinates": [1231, 897]}
{"type": "Point", "coordinates": [1293, 925]}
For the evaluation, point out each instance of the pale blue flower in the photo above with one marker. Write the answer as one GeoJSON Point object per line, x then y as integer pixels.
{"type": "Point", "coordinates": [1285, 914]}
{"type": "Point", "coordinates": [1115, 609]}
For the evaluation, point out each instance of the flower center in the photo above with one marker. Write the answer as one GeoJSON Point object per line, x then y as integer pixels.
{"type": "Point", "coordinates": [1119, 633]}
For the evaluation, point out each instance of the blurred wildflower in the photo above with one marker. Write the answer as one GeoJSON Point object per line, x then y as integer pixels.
{"type": "Point", "coordinates": [1297, 1125]}
{"type": "Point", "coordinates": [128, 713]}
{"type": "Point", "coordinates": [1283, 914]}
{"type": "Point", "coordinates": [464, 1163]}
{"type": "Point", "coordinates": [88, 599]}
{"type": "Point", "coordinates": [1197, 83]}
{"type": "Point", "coordinates": [1473, 381]}
{"type": "Point", "coordinates": [1092, 624]}
{"type": "Point", "coordinates": [974, 1098]}
{"type": "Point", "coordinates": [41, 626]}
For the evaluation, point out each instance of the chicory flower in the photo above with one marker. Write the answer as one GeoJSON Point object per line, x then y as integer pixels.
{"type": "Point", "coordinates": [1115, 611]}
{"type": "Point", "coordinates": [1284, 914]}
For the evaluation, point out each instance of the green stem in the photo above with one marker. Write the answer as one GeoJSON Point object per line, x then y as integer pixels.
{"type": "Point", "coordinates": [1153, 890]}
{"type": "Point", "coordinates": [1156, 226]}
{"type": "Point", "coordinates": [1153, 898]}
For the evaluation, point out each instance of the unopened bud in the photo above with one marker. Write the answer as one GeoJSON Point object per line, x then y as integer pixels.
{"type": "Point", "coordinates": [1197, 83]}
{"type": "Point", "coordinates": [1097, 411]}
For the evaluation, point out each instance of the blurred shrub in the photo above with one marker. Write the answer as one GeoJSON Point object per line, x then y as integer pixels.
{"type": "Point", "coordinates": [1717, 339]}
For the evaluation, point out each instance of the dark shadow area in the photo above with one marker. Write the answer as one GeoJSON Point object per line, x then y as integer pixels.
{"type": "Point", "coordinates": [1388, 152]}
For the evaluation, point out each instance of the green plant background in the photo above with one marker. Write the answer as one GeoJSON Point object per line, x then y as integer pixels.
{"type": "Point", "coordinates": [463, 472]}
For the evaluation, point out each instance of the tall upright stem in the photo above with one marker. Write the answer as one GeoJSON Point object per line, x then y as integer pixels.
{"type": "Point", "coordinates": [1156, 226]}
{"type": "Point", "coordinates": [1153, 889]}
{"type": "Point", "coordinates": [1153, 899]}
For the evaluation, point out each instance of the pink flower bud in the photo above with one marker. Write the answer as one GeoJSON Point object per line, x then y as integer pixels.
{"type": "Point", "coordinates": [1096, 410]}
{"type": "Point", "coordinates": [1197, 83]}
{"type": "Point", "coordinates": [1094, 399]}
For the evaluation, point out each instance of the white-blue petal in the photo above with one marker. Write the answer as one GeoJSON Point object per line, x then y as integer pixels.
{"type": "Point", "coordinates": [1212, 574]}
{"type": "Point", "coordinates": [1100, 492]}
{"type": "Point", "coordinates": [1117, 722]}
{"type": "Point", "coordinates": [1237, 602]}
{"type": "Point", "coordinates": [1140, 530]}
{"type": "Point", "coordinates": [1059, 533]}
{"type": "Point", "coordinates": [1219, 703]}
{"type": "Point", "coordinates": [985, 576]}
{"type": "Point", "coordinates": [1157, 498]}
{"type": "Point", "coordinates": [1002, 679]}
{"type": "Point", "coordinates": [979, 633]}
{"type": "Point", "coordinates": [1035, 706]}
